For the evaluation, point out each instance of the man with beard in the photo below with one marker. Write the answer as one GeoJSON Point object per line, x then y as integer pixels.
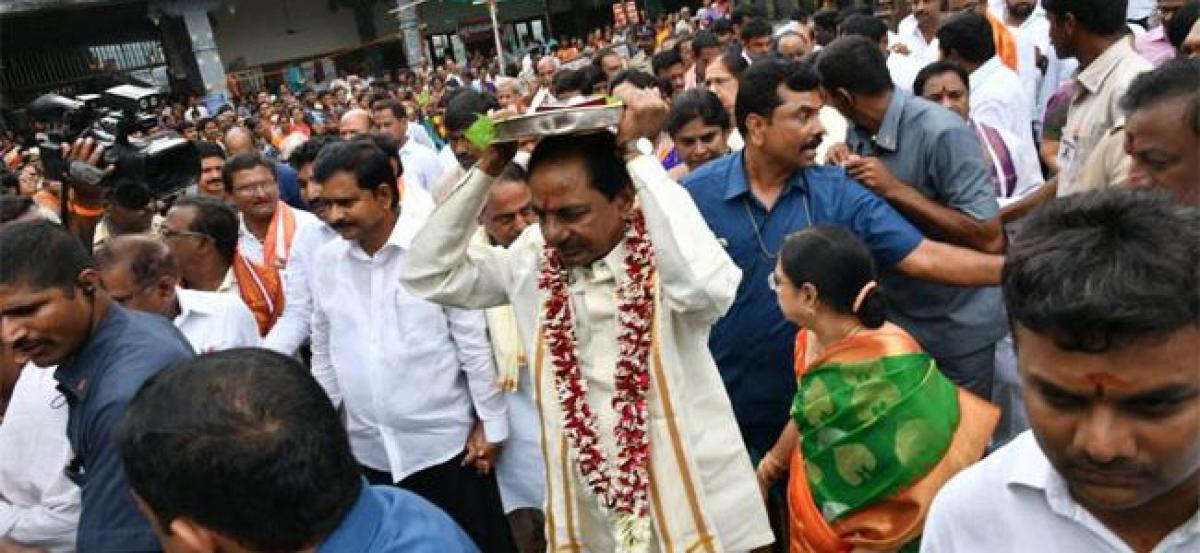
{"type": "Point", "coordinates": [928, 164]}
{"type": "Point", "coordinates": [1108, 336]}
{"type": "Point", "coordinates": [415, 379]}
{"type": "Point", "coordinates": [754, 199]}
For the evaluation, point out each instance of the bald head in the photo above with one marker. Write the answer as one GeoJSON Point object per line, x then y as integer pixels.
{"type": "Point", "coordinates": [355, 122]}
{"type": "Point", "coordinates": [140, 273]}
{"type": "Point", "coordinates": [239, 140]}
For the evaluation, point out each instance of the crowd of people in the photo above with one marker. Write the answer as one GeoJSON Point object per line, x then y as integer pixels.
{"type": "Point", "coordinates": [906, 276]}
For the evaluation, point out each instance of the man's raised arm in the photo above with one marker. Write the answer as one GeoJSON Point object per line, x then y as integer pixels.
{"type": "Point", "coordinates": [443, 265]}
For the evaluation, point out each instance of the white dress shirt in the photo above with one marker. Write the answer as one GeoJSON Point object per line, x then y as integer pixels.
{"type": "Point", "coordinates": [39, 505]}
{"type": "Point", "coordinates": [417, 132]}
{"type": "Point", "coordinates": [252, 248]}
{"type": "Point", "coordinates": [213, 321]}
{"type": "Point", "coordinates": [920, 51]}
{"type": "Point", "coordinates": [998, 99]}
{"type": "Point", "coordinates": [906, 25]}
{"type": "Point", "coordinates": [1014, 500]}
{"type": "Point", "coordinates": [295, 323]}
{"type": "Point", "coordinates": [1139, 9]}
{"type": "Point", "coordinates": [409, 372]}
{"type": "Point", "coordinates": [447, 158]}
{"type": "Point", "coordinates": [421, 165]}
{"type": "Point", "coordinates": [903, 69]}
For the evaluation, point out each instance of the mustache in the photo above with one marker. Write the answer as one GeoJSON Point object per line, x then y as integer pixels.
{"type": "Point", "coordinates": [1119, 465]}
{"type": "Point", "coordinates": [26, 345]}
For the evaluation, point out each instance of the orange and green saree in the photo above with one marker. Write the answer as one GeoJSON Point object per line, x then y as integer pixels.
{"type": "Point", "coordinates": [880, 431]}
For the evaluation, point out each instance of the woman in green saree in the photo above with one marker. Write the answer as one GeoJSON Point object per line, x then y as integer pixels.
{"type": "Point", "coordinates": [876, 429]}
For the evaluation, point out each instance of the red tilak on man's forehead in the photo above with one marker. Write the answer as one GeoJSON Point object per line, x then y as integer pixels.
{"type": "Point", "coordinates": [1100, 381]}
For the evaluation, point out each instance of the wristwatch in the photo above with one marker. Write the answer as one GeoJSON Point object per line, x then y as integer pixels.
{"type": "Point", "coordinates": [641, 146]}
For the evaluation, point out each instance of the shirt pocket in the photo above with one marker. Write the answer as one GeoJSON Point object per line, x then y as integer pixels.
{"type": "Point", "coordinates": [421, 324]}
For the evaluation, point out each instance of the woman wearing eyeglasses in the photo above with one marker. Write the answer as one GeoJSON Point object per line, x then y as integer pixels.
{"type": "Point", "coordinates": [876, 430]}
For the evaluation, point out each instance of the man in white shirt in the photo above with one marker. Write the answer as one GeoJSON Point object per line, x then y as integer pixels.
{"type": "Point", "coordinates": [1040, 68]}
{"type": "Point", "coordinates": [919, 42]}
{"type": "Point", "coordinates": [39, 505]}
{"type": "Point", "coordinates": [1108, 363]}
{"type": "Point", "coordinates": [587, 259]}
{"type": "Point", "coordinates": [266, 235]}
{"type": "Point", "coordinates": [421, 165]}
{"type": "Point", "coordinates": [996, 93]}
{"type": "Point", "coordinates": [202, 233]}
{"type": "Point", "coordinates": [294, 326]}
{"type": "Point", "coordinates": [140, 273]}
{"type": "Point", "coordinates": [416, 380]}
{"type": "Point", "coordinates": [418, 134]}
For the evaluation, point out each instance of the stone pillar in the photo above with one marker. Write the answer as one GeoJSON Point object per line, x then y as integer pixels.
{"type": "Point", "coordinates": [414, 51]}
{"type": "Point", "coordinates": [208, 58]}
{"type": "Point", "coordinates": [203, 46]}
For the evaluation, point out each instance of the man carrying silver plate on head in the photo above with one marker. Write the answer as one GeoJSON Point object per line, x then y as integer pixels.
{"type": "Point", "coordinates": [614, 292]}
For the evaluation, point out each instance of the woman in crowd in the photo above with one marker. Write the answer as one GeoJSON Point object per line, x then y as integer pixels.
{"type": "Point", "coordinates": [721, 76]}
{"type": "Point", "coordinates": [699, 126]}
{"type": "Point", "coordinates": [876, 429]}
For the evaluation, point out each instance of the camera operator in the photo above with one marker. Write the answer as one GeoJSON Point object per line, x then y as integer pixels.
{"type": "Point", "coordinates": [85, 198]}
{"type": "Point", "coordinates": [54, 311]}
{"type": "Point", "coordinates": [128, 209]}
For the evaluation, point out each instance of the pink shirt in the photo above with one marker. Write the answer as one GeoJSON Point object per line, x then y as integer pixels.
{"type": "Point", "coordinates": [1154, 46]}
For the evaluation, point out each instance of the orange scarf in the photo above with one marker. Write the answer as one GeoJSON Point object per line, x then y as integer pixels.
{"type": "Point", "coordinates": [1006, 44]}
{"type": "Point", "coordinates": [893, 522]}
{"type": "Point", "coordinates": [261, 285]}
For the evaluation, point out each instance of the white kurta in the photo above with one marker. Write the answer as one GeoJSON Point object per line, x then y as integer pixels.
{"type": "Point", "coordinates": [704, 495]}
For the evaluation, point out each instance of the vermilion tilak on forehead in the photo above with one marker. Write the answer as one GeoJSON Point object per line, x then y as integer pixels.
{"type": "Point", "coordinates": [1102, 380]}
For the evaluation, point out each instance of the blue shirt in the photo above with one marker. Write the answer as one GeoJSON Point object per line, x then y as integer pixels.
{"type": "Point", "coordinates": [124, 350]}
{"type": "Point", "coordinates": [753, 343]}
{"type": "Point", "coordinates": [289, 186]}
{"type": "Point", "coordinates": [387, 519]}
{"type": "Point", "coordinates": [933, 150]}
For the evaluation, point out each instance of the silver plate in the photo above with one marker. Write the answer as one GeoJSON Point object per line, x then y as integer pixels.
{"type": "Point", "coordinates": [559, 121]}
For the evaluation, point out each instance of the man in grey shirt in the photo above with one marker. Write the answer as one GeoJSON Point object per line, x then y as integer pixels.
{"type": "Point", "coordinates": [929, 165]}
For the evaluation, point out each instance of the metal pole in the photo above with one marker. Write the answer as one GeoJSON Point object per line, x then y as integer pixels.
{"type": "Point", "coordinates": [496, 35]}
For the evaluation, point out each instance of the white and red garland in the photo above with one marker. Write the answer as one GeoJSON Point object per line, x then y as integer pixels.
{"type": "Point", "coordinates": [623, 493]}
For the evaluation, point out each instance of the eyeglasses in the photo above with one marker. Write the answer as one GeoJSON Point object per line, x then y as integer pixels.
{"type": "Point", "coordinates": [773, 282]}
{"type": "Point", "coordinates": [260, 186]}
{"type": "Point", "coordinates": [167, 234]}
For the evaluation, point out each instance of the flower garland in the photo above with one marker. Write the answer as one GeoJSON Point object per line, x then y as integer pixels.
{"type": "Point", "coordinates": [625, 492]}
